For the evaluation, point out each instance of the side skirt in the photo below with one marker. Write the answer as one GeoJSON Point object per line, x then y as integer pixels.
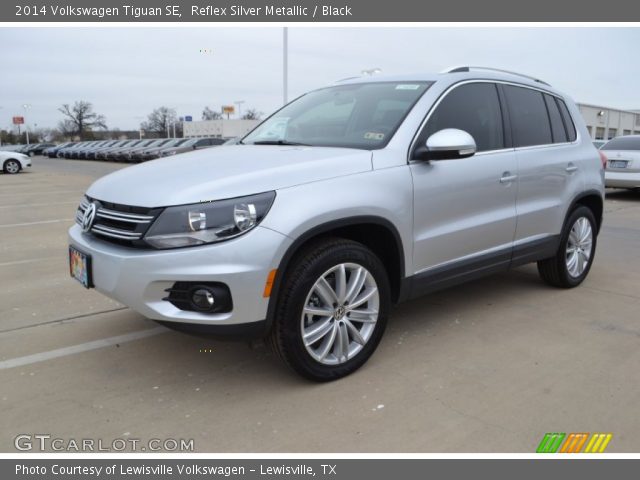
{"type": "Point", "coordinates": [471, 269]}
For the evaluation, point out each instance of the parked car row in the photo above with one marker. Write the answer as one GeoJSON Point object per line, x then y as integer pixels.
{"type": "Point", "coordinates": [132, 150]}
{"type": "Point", "coordinates": [30, 149]}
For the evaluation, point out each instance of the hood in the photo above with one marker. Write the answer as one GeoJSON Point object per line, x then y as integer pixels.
{"type": "Point", "coordinates": [225, 172]}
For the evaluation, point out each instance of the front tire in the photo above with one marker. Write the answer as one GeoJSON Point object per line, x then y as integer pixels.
{"type": "Point", "coordinates": [571, 264]}
{"type": "Point", "coordinates": [332, 309]}
{"type": "Point", "coordinates": [11, 166]}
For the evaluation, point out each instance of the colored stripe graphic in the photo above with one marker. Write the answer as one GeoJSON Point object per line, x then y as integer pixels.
{"type": "Point", "coordinates": [574, 443]}
{"type": "Point", "coordinates": [550, 442]}
{"type": "Point", "coordinates": [598, 443]}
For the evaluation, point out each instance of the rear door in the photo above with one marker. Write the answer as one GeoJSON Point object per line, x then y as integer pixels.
{"type": "Point", "coordinates": [548, 168]}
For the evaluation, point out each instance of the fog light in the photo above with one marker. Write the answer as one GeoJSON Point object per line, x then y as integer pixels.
{"type": "Point", "coordinates": [203, 298]}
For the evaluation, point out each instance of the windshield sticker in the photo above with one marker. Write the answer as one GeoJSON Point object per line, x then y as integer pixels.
{"type": "Point", "coordinates": [373, 136]}
{"type": "Point", "coordinates": [276, 130]}
{"type": "Point", "coordinates": [407, 86]}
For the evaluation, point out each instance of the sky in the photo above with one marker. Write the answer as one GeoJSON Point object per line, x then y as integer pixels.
{"type": "Point", "coordinates": [127, 72]}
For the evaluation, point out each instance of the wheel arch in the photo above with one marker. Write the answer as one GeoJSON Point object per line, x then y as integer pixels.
{"type": "Point", "coordinates": [376, 233]}
{"type": "Point", "coordinates": [592, 199]}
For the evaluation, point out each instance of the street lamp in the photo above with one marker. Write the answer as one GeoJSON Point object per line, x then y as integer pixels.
{"type": "Point", "coordinates": [26, 107]}
{"type": "Point", "coordinates": [239, 104]}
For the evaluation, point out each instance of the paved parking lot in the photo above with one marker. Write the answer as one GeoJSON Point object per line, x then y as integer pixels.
{"type": "Point", "coordinates": [486, 367]}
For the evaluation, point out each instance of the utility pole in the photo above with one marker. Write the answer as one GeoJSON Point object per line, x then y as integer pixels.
{"type": "Point", "coordinates": [26, 107]}
{"type": "Point", "coordinates": [285, 64]}
{"type": "Point", "coordinates": [239, 104]}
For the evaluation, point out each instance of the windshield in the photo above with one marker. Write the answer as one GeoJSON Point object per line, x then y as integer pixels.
{"type": "Point", "coordinates": [631, 142]}
{"type": "Point", "coordinates": [353, 116]}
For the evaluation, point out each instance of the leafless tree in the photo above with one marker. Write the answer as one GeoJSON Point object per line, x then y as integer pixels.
{"type": "Point", "coordinates": [208, 114]}
{"type": "Point", "coordinates": [252, 114]}
{"type": "Point", "coordinates": [159, 121]}
{"type": "Point", "coordinates": [80, 119]}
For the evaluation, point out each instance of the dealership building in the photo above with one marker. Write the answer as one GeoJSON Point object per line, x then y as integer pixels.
{"type": "Point", "coordinates": [605, 123]}
{"type": "Point", "coordinates": [218, 128]}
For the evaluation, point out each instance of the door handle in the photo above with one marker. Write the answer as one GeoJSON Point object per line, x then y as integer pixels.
{"type": "Point", "coordinates": [571, 167]}
{"type": "Point", "coordinates": [507, 177]}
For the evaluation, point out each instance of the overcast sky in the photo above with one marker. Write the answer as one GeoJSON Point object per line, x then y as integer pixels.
{"type": "Point", "coordinates": [127, 72]}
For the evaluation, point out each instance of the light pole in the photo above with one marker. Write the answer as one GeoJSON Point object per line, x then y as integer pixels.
{"type": "Point", "coordinates": [239, 104]}
{"type": "Point", "coordinates": [26, 107]}
{"type": "Point", "coordinates": [285, 64]}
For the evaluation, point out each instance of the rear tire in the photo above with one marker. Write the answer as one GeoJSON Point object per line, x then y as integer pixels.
{"type": "Point", "coordinates": [572, 262]}
{"type": "Point", "coordinates": [332, 309]}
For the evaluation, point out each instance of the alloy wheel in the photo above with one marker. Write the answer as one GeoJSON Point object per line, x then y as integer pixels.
{"type": "Point", "coordinates": [579, 247]}
{"type": "Point", "coordinates": [340, 314]}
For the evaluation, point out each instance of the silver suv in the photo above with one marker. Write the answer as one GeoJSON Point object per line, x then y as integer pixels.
{"type": "Point", "coordinates": [346, 201]}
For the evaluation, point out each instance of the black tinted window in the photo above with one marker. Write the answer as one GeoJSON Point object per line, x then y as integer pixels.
{"type": "Point", "coordinates": [623, 143]}
{"type": "Point", "coordinates": [529, 119]}
{"type": "Point", "coordinates": [474, 108]}
{"type": "Point", "coordinates": [557, 125]}
{"type": "Point", "coordinates": [568, 122]}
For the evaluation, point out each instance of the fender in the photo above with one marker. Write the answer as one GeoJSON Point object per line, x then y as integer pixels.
{"type": "Point", "coordinates": [318, 231]}
{"type": "Point", "coordinates": [580, 196]}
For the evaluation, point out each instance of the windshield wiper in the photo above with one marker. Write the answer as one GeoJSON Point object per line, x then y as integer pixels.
{"type": "Point", "coordinates": [280, 142]}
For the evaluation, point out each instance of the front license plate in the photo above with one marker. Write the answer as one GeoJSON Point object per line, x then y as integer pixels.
{"type": "Point", "coordinates": [618, 164]}
{"type": "Point", "coordinates": [80, 267]}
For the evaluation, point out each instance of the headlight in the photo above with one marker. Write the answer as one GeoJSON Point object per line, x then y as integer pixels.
{"type": "Point", "coordinates": [208, 222]}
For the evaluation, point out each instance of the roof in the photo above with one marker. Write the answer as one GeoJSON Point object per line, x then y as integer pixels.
{"type": "Point", "coordinates": [453, 76]}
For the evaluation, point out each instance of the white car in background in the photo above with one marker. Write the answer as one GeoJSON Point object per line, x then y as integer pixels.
{"type": "Point", "coordinates": [623, 162]}
{"type": "Point", "coordinates": [13, 162]}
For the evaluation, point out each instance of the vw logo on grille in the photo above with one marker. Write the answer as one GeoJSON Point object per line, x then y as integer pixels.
{"type": "Point", "coordinates": [88, 217]}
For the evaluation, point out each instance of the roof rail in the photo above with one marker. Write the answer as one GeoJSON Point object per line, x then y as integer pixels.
{"type": "Point", "coordinates": [348, 78]}
{"type": "Point", "coordinates": [469, 68]}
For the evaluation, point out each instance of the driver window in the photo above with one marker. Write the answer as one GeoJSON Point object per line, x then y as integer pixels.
{"type": "Point", "coordinates": [474, 108]}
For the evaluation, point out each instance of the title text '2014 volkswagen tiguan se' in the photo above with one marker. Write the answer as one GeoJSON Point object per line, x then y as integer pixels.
{"type": "Point", "coordinates": [347, 200]}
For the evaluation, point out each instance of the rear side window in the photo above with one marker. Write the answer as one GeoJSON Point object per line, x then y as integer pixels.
{"type": "Point", "coordinates": [623, 143]}
{"type": "Point", "coordinates": [529, 118]}
{"type": "Point", "coordinates": [568, 122]}
{"type": "Point", "coordinates": [474, 108]}
{"type": "Point", "coordinates": [557, 125]}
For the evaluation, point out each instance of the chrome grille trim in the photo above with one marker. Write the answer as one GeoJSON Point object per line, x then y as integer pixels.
{"type": "Point", "coordinates": [115, 232]}
{"type": "Point", "coordinates": [118, 225]}
{"type": "Point", "coordinates": [124, 217]}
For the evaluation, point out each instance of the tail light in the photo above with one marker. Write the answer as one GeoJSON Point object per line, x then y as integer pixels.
{"type": "Point", "coordinates": [603, 159]}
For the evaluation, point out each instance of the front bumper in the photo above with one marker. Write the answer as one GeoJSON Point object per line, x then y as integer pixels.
{"type": "Point", "coordinates": [138, 278]}
{"type": "Point", "coordinates": [620, 179]}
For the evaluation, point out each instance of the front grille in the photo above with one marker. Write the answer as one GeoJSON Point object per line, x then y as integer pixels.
{"type": "Point", "coordinates": [121, 224]}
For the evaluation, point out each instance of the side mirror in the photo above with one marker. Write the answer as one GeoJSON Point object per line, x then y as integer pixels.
{"type": "Point", "coordinates": [447, 144]}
